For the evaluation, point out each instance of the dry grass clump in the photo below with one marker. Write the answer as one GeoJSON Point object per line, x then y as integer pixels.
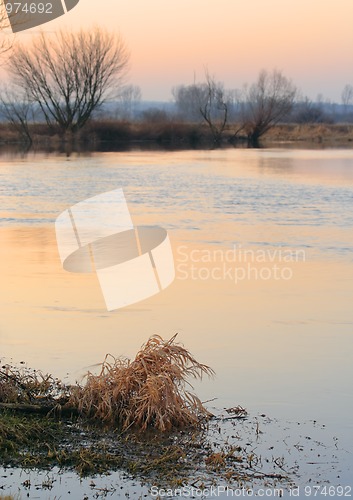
{"type": "Point", "coordinates": [148, 392]}
{"type": "Point", "coordinates": [9, 391]}
{"type": "Point", "coordinates": [311, 132]}
{"type": "Point", "coordinates": [25, 385]}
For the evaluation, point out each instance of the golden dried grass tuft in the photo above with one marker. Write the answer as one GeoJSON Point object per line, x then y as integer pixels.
{"type": "Point", "coordinates": [148, 392]}
{"type": "Point", "coordinates": [25, 385]}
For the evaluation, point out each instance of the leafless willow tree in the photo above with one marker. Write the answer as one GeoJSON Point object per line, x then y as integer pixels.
{"type": "Point", "coordinates": [268, 101]}
{"type": "Point", "coordinates": [208, 100]}
{"type": "Point", "coordinates": [70, 75]}
{"type": "Point", "coordinates": [18, 111]}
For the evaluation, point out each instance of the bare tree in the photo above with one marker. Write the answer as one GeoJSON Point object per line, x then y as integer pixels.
{"type": "Point", "coordinates": [268, 101]}
{"type": "Point", "coordinates": [214, 107]}
{"type": "Point", "coordinates": [70, 75]}
{"type": "Point", "coordinates": [208, 100]}
{"type": "Point", "coordinates": [347, 96]}
{"type": "Point", "coordinates": [6, 38]}
{"type": "Point", "coordinates": [13, 108]}
{"type": "Point", "coordinates": [128, 99]}
{"type": "Point", "coordinates": [17, 110]}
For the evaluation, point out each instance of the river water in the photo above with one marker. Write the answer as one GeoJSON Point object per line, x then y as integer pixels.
{"type": "Point", "coordinates": [263, 250]}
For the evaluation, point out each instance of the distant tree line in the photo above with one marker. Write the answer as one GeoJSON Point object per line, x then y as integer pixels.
{"type": "Point", "coordinates": [70, 78]}
{"type": "Point", "coordinates": [253, 110]}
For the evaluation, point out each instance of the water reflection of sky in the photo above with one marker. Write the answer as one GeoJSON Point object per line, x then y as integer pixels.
{"type": "Point", "coordinates": [288, 198]}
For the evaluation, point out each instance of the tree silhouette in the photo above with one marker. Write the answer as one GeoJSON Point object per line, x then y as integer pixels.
{"type": "Point", "coordinates": [268, 101]}
{"type": "Point", "coordinates": [69, 75]}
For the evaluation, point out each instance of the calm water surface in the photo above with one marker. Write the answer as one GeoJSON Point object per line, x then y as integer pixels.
{"type": "Point", "coordinates": [278, 345]}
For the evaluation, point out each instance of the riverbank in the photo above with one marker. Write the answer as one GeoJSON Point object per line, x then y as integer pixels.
{"type": "Point", "coordinates": [233, 452]}
{"type": "Point", "coordinates": [100, 428]}
{"type": "Point", "coordinates": [113, 134]}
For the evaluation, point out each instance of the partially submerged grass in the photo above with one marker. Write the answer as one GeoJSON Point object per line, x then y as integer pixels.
{"type": "Point", "coordinates": [25, 438]}
{"type": "Point", "coordinates": [191, 456]}
{"type": "Point", "coordinates": [148, 392]}
{"type": "Point", "coordinates": [24, 385]}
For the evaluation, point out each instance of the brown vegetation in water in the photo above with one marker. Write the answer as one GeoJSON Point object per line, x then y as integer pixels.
{"type": "Point", "coordinates": [148, 392]}
{"type": "Point", "coordinates": [27, 386]}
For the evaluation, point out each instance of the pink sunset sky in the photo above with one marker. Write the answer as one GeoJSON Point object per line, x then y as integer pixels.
{"type": "Point", "coordinates": [170, 41]}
